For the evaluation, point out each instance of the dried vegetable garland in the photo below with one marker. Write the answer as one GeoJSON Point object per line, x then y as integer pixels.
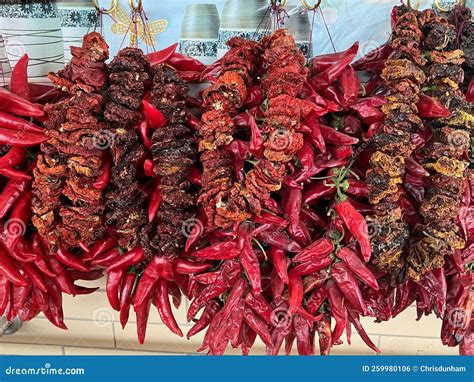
{"type": "Point", "coordinates": [287, 228]}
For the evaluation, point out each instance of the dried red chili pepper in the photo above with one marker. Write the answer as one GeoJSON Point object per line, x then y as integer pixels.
{"type": "Point", "coordinates": [114, 282]}
{"type": "Point", "coordinates": [162, 303]}
{"type": "Point", "coordinates": [208, 314]}
{"type": "Point", "coordinates": [185, 63]}
{"type": "Point", "coordinates": [155, 117]}
{"type": "Point", "coordinates": [9, 270]}
{"type": "Point", "coordinates": [104, 177]}
{"type": "Point", "coordinates": [356, 265]}
{"type": "Point", "coordinates": [354, 319]}
{"type": "Point", "coordinates": [220, 251]}
{"type": "Point", "coordinates": [349, 286]}
{"type": "Point", "coordinates": [357, 226]}
{"type": "Point", "coordinates": [350, 84]}
{"type": "Point", "coordinates": [259, 326]}
{"type": "Point", "coordinates": [132, 257]}
{"type": "Point", "coordinates": [295, 288]}
{"type": "Point", "coordinates": [247, 256]}
{"type": "Point", "coordinates": [429, 107]}
{"type": "Point", "coordinates": [19, 78]}
{"type": "Point", "coordinates": [21, 126]}
{"type": "Point", "coordinates": [338, 310]}
{"type": "Point", "coordinates": [14, 104]}
{"type": "Point", "coordinates": [162, 55]}
{"type": "Point", "coordinates": [312, 265]}
{"type": "Point", "coordinates": [318, 249]}
{"type": "Point", "coordinates": [280, 262]}
{"type": "Point", "coordinates": [188, 267]}
{"type": "Point", "coordinates": [67, 258]}
{"type": "Point", "coordinates": [279, 240]}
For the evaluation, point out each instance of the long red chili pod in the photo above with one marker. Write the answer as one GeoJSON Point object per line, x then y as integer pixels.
{"type": "Point", "coordinates": [19, 78]}
{"type": "Point", "coordinates": [11, 122]}
{"type": "Point", "coordinates": [14, 104]}
{"type": "Point", "coordinates": [104, 177]}
{"type": "Point", "coordinates": [247, 256]}
{"type": "Point", "coordinates": [14, 174]}
{"type": "Point", "coordinates": [280, 262]}
{"type": "Point", "coordinates": [318, 249]}
{"type": "Point", "coordinates": [350, 84]}
{"type": "Point", "coordinates": [188, 267]}
{"type": "Point", "coordinates": [219, 251]}
{"type": "Point", "coordinates": [4, 294]}
{"type": "Point", "coordinates": [302, 330]}
{"type": "Point", "coordinates": [316, 299]}
{"type": "Point", "coordinates": [356, 265]}
{"type": "Point", "coordinates": [62, 278]}
{"type": "Point", "coordinates": [34, 276]}
{"type": "Point", "coordinates": [354, 319]}
{"type": "Point", "coordinates": [148, 168]}
{"type": "Point", "coordinates": [279, 240]}
{"type": "Point", "coordinates": [234, 297]}
{"type": "Point", "coordinates": [325, 336]}
{"type": "Point", "coordinates": [155, 202]}
{"type": "Point", "coordinates": [429, 107]}
{"type": "Point", "coordinates": [185, 63]}
{"type": "Point", "coordinates": [10, 194]}
{"type": "Point", "coordinates": [132, 257]}
{"type": "Point", "coordinates": [316, 134]}
{"type": "Point", "coordinates": [338, 310]}
{"type": "Point", "coordinates": [162, 55]}
{"type": "Point", "coordinates": [21, 139]}
{"type": "Point", "coordinates": [258, 326]}
{"type": "Point", "coordinates": [142, 313]}
{"type": "Point", "coordinates": [209, 312]}
{"type": "Point", "coordinates": [357, 226]}
{"type": "Point", "coordinates": [256, 140]}
{"type": "Point", "coordinates": [100, 247]}
{"type": "Point", "coordinates": [162, 303]}
{"type": "Point", "coordinates": [106, 259]}
{"type": "Point", "coordinates": [295, 287]}
{"type": "Point", "coordinates": [67, 258]}
{"type": "Point", "coordinates": [114, 281]}
{"type": "Point", "coordinates": [154, 117]}
{"type": "Point", "coordinates": [349, 286]}
{"type": "Point", "coordinates": [14, 157]}
{"type": "Point", "coordinates": [10, 270]}
{"type": "Point", "coordinates": [334, 137]}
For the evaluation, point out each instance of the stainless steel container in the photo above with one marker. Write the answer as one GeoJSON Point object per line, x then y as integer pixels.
{"type": "Point", "coordinates": [199, 32]}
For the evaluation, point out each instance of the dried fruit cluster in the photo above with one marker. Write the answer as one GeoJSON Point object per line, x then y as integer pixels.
{"type": "Point", "coordinates": [68, 209]}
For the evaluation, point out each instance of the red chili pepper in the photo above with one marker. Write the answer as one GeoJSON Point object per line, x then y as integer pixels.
{"type": "Point", "coordinates": [67, 258]}
{"type": "Point", "coordinates": [114, 282]}
{"type": "Point", "coordinates": [4, 294]}
{"type": "Point", "coordinates": [208, 314]}
{"type": "Point", "coordinates": [343, 152]}
{"type": "Point", "coordinates": [21, 139]}
{"type": "Point", "coordinates": [318, 249]}
{"type": "Point", "coordinates": [132, 257]}
{"type": "Point", "coordinates": [148, 168]}
{"type": "Point", "coordinates": [100, 247]}
{"type": "Point", "coordinates": [470, 91]}
{"type": "Point", "coordinates": [354, 319]}
{"type": "Point", "coordinates": [95, 274]}
{"type": "Point", "coordinates": [155, 118]}
{"type": "Point", "coordinates": [311, 266]}
{"type": "Point", "coordinates": [280, 262]}
{"type": "Point", "coordinates": [256, 140]}
{"type": "Point", "coordinates": [10, 270]}
{"type": "Point", "coordinates": [220, 251]}
{"type": "Point", "coordinates": [247, 256]}
{"type": "Point", "coordinates": [356, 265]}
{"type": "Point", "coordinates": [14, 157]}
{"type": "Point", "coordinates": [316, 300]}
{"type": "Point", "coordinates": [279, 240]}
{"type": "Point", "coordinates": [316, 135]}
{"type": "Point", "coordinates": [324, 330]}
{"type": "Point", "coordinates": [155, 202]}
{"type": "Point", "coordinates": [338, 310]}
{"type": "Point", "coordinates": [143, 129]}
{"type": "Point", "coordinates": [106, 259]}
{"type": "Point", "coordinates": [104, 177]}
{"type": "Point", "coordinates": [254, 97]}
{"type": "Point", "coordinates": [19, 78]}
{"type": "Point", "coordinates": [350, 84]}
{"type": "Point", "coordinates": [318, 191]}
{"type": "Point", "coordinates": [188, 267]}
{"type": "Point", "coordinates": [260, 306]}
{"type": "Point", "coordinates": [234, 298]}
{"type": "Point", "coordinates": [295, 287]}
{"type": "Point", "coordinates": [10, 195]}
{"type": "Point", "coordinates": [15, 174]}
{"type": "Point", "coordinates": [162, 303]}
{"type": "Point", "coordinates": [429, 107]}
{"type": "Point", "coordinates": [349, 286]}
{"type": "Point", "coordinates": [328, 73]}
{"type": "Point", "coordinates": [142, 313]}
{"type": "Point", "coordinates": [374, 60]}
{"type": "Point", "coordinates": [162, 55]}
{"type": "Point", "coordinates": [185, 63]}
{"type": "Point", "coordinates": [334, 137]}
{"type": "Point", "coordinates": [193, 122]}
{"type": "Point", "coordinates": [259, 326]}
{"type": "Point", "coordinates": [207, 278]}
{"type": "Point", "coordinates": [368, 113]}
{"type": "Point", "coordinates": [357, 226]}
{"type": "Point", "coordinates": [14, 104]}
{"type": "Point", "coordinates": [34, 276]}
{"type": "Point", "coordinates": [10, 122]}
{"type": "Point", "coordinates": [302, 330]}
{"type": "Point", "coordinates": [61, 277]}
{"type": "Point", "coordinates": [194, 175]}
{"type": "Point", "coordinates": [357, 187]}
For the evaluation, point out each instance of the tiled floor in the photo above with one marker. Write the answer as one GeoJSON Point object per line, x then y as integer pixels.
{"type": "Point", "coordinates": [95, 329]}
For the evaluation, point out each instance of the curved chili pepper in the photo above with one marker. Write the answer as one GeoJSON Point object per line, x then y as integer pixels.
{"type": "Point", "coordinates": [185, 63]}
{"type": "Point", "coordinates": [61, 278]}
{"type": "Point", "coordinates": [100, 247]}
{"type": "Point", "coordinates": [339, 61]}
{"type": "Point", "coordinates": [15, 174]}
{"type": "Point", "coordinates": [114, 282]}
{"type": "Point", "coordinates": [316, 135]}
{"type": "Point", "coordinates": [207, 278]}
{"type": "Point", "coordinates": [155, 118]}
{"type": "Point", "coordinates": [132, 257]}
{"type": "Point", "coordinates": [256, 140]}
{"type": "Point", "coordinates": [279, 240]}
{"type": "Point", "coordinates": [162, 303]}
{"type": "Point", "coordinates": [34, 276]}
{"type": "Point", "coordinates": [316, 299]}
{"type": "Point", "coordinates": [259, 326]}
{"type": "Point", "coordinates": [155, 202]}
{"type": "Point", "coordinates": [10, 270]}
{"type": "Point", "coordinates": [10, 194]}
{"type": "Point", "coordinates": [280, 262]}
{"type": "Point", "coordinates": [104, 177]}
{"type": "Point", "coordinates": [325, 336]}
{"type": "Point", "coordinates": [14, 104]}
{"type": "Point", "coordinates": [350, 85]}
{"type": "Point", "coordinates": [234, 298]}
{"type": "Point", "coordinates": [356, 265]}
{"type": "Point", "coordinates": [295, 288]}
{"type": "Point", "coordinates": [188, 267]}
{"type": "Point", "coordinates": [189, 76]}
{"type": "Point", "coordinates": [317, 191]}
{"type": "Point", "coordinates": [195, 175]}
{"type": "Point", "coordinates": [302, 330]}
{"type": "Point", "coordinates": [142, 313]}
{"type": "Point", "coordinates": [67, 258]}
{"type": "Point", "coordinates": [95, 274]}
{"type": "Point", "coordinates": [354, 319]}
{"type": "Point", "coordinates": [318, 249]}
{"type": "Point", "coordinates": [19, 78]}
{"type": "Point", "coordinates": [80, 290]}
{"type": "Point", "coordinates": [254, 97]}
{"type": "Point", "coordinates": [349, 286]}
{"type": "Point", "coordinates": [143, 129]}
{"type": "Point", "coordinates": [311, 266]}
{"type": "Point", "coordinates": [338, 310]}
{"type": "Point", "coordinates": [224, 250]}
{"type": "Point", "coordinates": [11, 122]}
{"type": "Point", "coordinates": [14, 157]}
{"type": "Point", "coordinates": [357, 226]}
{"type": "Point", "coordinates": [247, 256]}
{"type": "Point", "coordinates": [21, 139]}
{"type": "Point", "coordinates": [207, 315]}
{"type": "Point", "coordinates": [357, 187]}
{"type": "Point", "coordinates": [106, 259]}
{"type": "Point", "coordinates": [429, 107]}
{"type": "Point", "coordinates": [334, 137]}
{"type": "Point", "coordinates": [162, 55]}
